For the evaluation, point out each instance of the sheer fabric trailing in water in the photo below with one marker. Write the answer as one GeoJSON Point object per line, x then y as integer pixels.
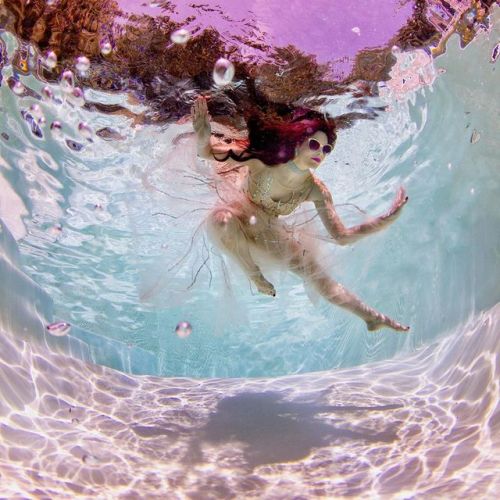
{"type": "Point", "coordinates": [183, 192]}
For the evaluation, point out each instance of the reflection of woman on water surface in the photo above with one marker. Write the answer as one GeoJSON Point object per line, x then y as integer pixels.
{"type": "Point", "coordinates": [280, 158]}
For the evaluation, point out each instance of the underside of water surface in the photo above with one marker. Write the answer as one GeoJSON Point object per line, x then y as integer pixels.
{"type": "Point", "coordinates": [138, 361]}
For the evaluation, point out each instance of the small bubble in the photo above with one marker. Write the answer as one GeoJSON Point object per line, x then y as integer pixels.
{"type": "Point", "coordinates": [55, 230]}
{"type": "Point", "coordinates": [494, 53]}
{"type": "Point", "coordinates": [82, 64]}
{"type": "Point", "coordinates": [56, 129]}
{"type": "Point", "coordinates": [106, 48]}
{"type": "Point", "coordinates": [36, 111]}
{"type": "Point", "coordinates": [90, 460]}
{"type": "Point", "coordinates": [77, 97]}
{"type": "Point", "coordinates": [470, 17]}
{"type": "Point", "coordinates": [472, 190]}
{"type": "Point", "coordinates": [474, 138]}
{"type": "Point", "coordinates": [252, 220]}
{"type": "Point", "coordinates": [47, 93]}
{"type": "Point", "coordinates": [18, 88]}
{"type": "Point", "coordinates": [356, 30]}
{"type": "Point", "coordinates": [449, 166]}
{"type": "Point", "coordinates": [59, 329]}
{"type": "Point", "coordinates": [67, 82]}
{"type": "Point", "coordinates": [183, 329]}
{"type": "Point", "coordinates": [180, 36]}
{"type": "Point", "coordinates": [223, 72]}
{"type": "Point", "coordinates": [73, 145]}
{"type": "Point", "coordinates": [85, 130]}
{"type": "Point", "coordinates": [50, 60]}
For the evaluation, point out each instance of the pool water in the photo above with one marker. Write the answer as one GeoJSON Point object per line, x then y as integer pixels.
{"type": "Point", "coordinates": [218, 392]}
{"type": "Point", "coordinates": [89, 225]}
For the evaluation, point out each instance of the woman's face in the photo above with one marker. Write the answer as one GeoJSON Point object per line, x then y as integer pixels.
{"type": "Point", "coordinates": [312, 151]}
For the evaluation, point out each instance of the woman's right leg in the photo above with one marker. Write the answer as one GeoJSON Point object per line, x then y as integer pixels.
{"type": "Point", "coordinates": [227, 230]}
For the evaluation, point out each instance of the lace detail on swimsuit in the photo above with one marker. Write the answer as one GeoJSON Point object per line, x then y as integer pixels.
{"type": "Point", "coordinates": [261, 195]}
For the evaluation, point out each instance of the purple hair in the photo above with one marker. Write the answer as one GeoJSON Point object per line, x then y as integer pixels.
{"type": "Point", "coordinates": [275, 141]}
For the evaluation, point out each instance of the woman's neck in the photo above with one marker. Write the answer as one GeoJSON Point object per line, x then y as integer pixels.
{"type": "Point", "coordinates": [291, 175]}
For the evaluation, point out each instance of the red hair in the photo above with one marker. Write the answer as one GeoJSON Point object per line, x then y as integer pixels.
{"type": "Point", "coordinates": [275, 141]}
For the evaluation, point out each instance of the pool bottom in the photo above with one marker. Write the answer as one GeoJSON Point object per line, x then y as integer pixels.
{"type": "Point", "coordinates": [426, 424]}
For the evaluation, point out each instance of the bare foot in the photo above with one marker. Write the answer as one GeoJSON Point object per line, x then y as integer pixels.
{"type": "Point", "coordinates": [264, 286]}
{"type": "Point", "coordinates": [382, 321]}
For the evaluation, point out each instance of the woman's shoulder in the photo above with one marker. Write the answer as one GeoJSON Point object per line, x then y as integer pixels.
{"type": "Point", "coordinates": [319, 191]}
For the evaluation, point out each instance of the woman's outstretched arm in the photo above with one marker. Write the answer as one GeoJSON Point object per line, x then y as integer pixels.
{"type": "Point", "coordinates": [323, 201]}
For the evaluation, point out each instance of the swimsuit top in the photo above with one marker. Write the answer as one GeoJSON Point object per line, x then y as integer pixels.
{"type": "Point", "coordinates": [259, 191]}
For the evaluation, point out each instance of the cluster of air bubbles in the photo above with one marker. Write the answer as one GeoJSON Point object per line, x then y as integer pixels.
{"type": "Point", "coordinates": [67, 82]}
{"type": "Point", "coordinates": [18, 88]}
{"type": "Point", "coordinates": [50, 60]}
{"type": "Point", "coordinates": [223, 73]}
{"type": "Point", "coordinates": [183, 329]}
{"type": "Point", "coordinates": [59, 329]}
{"type": "Point", "coordinates": [180, 37]}
{"type": "Point", "coordinates": [106, 47]}
{"type": "Point", "coordinates": [82, 65]}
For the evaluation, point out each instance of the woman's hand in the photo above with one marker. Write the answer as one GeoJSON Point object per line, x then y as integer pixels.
{"type": "Point", "coordinates": [397, 205]}
{"type": "Point", "coordinates": [201, 120]}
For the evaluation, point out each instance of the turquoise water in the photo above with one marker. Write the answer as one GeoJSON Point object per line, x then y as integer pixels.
{"type": "Point", "coordinates": [390, 416]}
{"type": "Point", "coordinates": [89, 227]}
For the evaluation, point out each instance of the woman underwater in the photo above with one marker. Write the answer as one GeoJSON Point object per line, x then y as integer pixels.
{"type": "Point", "coordinates": [280, 158]}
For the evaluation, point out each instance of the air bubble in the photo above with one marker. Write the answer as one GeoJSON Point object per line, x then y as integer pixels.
{"type": "Point", "coordinates": [47, 93]}
{"type": "Point", "coordinates": [494, 53]}
{"type": "Point", "coordinates": [82, 64]}
{"type": "Point", "coordinates": [18, 88]}
{"type": "Point", "coordinates": [85, 130]}
{"type": "Point", "coordinates": [50, 60]}
{"type": "Point", "coordinates": [223, 72]}
{"type": "Point", "coordinates": [356, 30]}
{"type": "Point", "coordinates": [180, 36]}
{"type": "Point", "coordinates": [90, 460]}
{"type": "Point", "coordinates": [36, 111]}
{"type": "Point", "coordinates": [77, 97]}
{"type": "Point", "coordinates": [106, 48]}
{"type": "Point", "coordinates": [59, 329]}
{"type": "Point", "coordinates": [67, 82]}
{"type": "Point", "coordinates": [56, 129]}
{"type": "Point", "coordinates": [183, 329]}
{"type": "Point", "coordinates": [474, 138]}
{"type": "Point", "coordinates": [252, 220]}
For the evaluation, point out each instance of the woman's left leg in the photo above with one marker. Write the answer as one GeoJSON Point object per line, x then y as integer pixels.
{"type": "Point", "coordinates": [302, 261]}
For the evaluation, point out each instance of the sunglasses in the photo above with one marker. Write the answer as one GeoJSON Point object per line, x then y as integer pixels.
{"type": "Point", "coordinates": [314, 145]}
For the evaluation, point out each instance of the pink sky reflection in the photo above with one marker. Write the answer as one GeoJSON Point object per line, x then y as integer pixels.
{"type": "Point", "coordinates": [320, 27]}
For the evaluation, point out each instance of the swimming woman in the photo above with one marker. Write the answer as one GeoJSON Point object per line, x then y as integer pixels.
{"type": "Point", "coordinates": [280, 158]}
